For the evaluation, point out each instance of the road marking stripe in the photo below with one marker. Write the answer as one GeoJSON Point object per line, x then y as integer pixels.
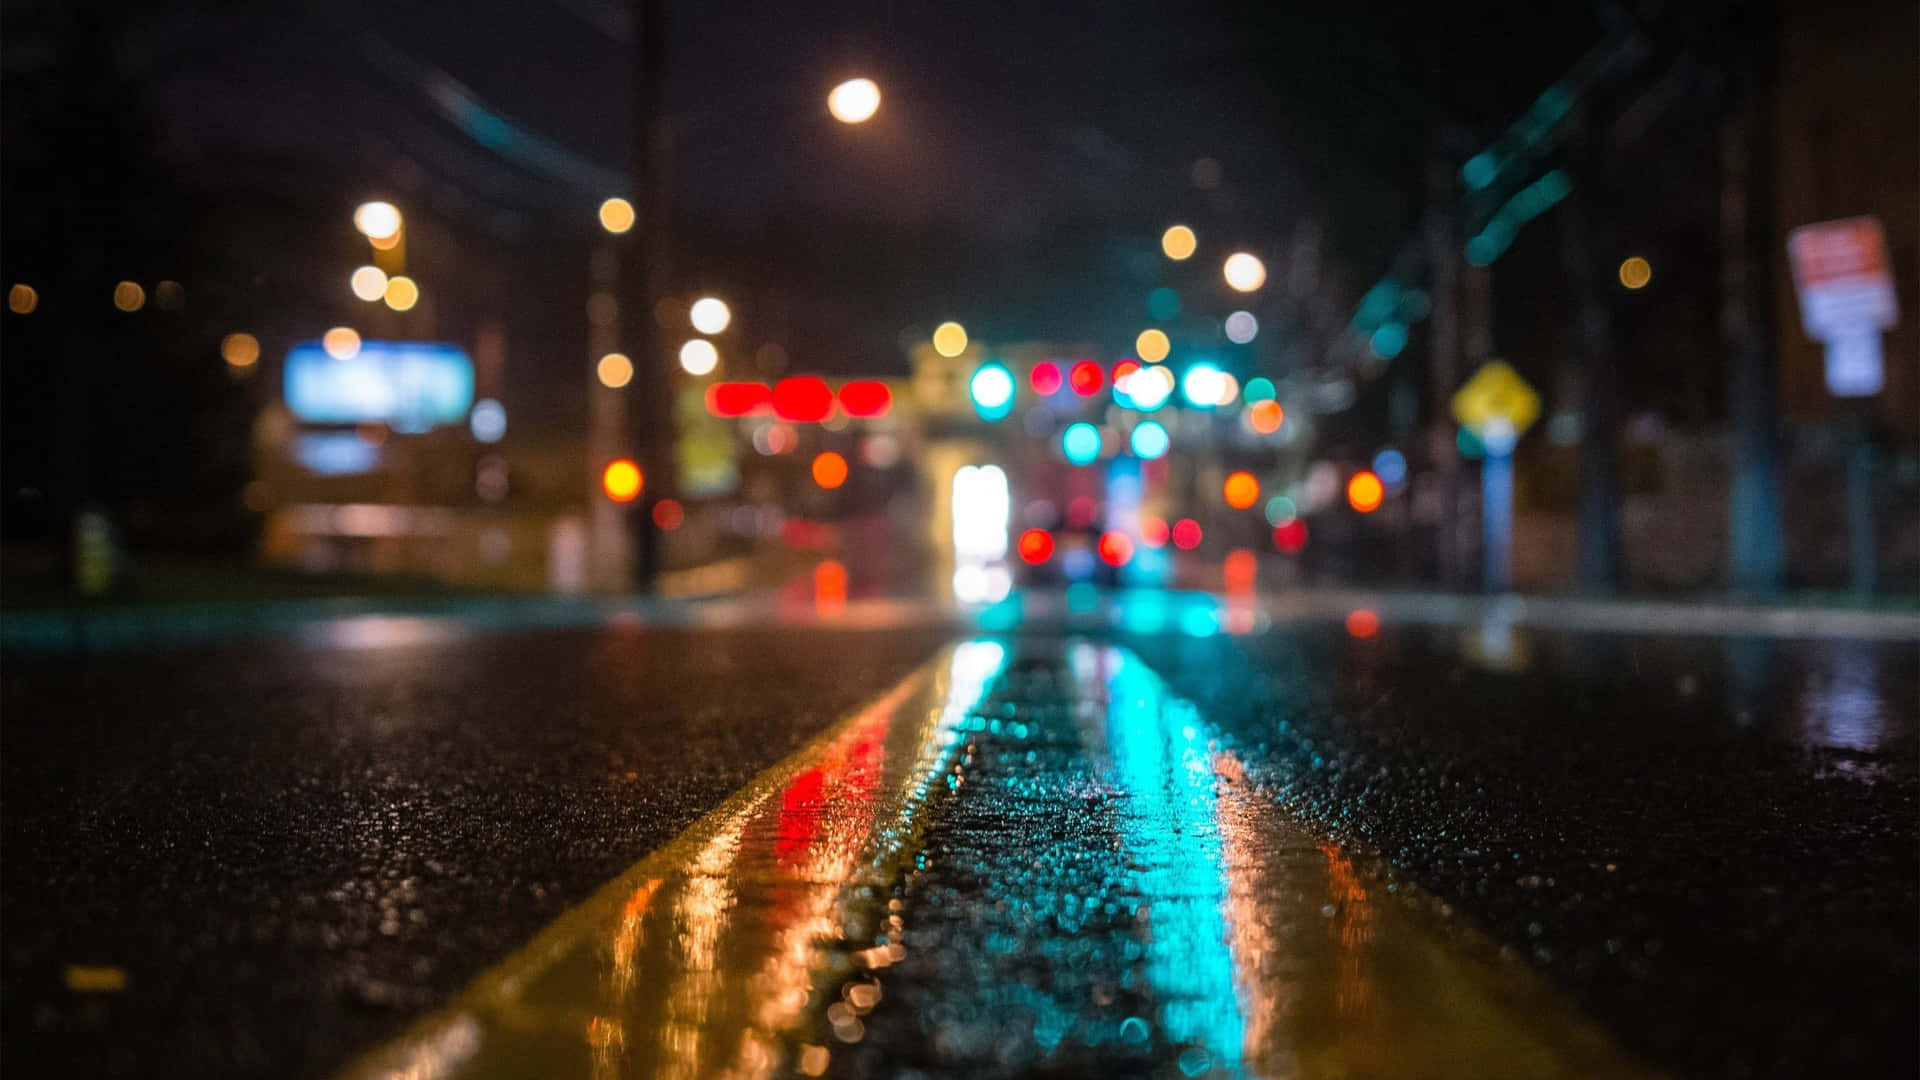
{"type": "Point", "coordinates": [758, 939]}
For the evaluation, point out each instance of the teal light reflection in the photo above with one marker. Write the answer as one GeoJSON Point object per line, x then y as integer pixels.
{"type": "Point", "coordinates": [1171, 832]}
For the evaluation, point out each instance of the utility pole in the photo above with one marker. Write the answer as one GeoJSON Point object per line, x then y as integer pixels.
{"type": "Point", "coordinates": [649, 265]}
{"type": "Point", "coordinates": [1600, 548]}
{"type": "Point", "coordinates": [1746, 295]}
{"type": "Point", "coordinates": [1443, 255]}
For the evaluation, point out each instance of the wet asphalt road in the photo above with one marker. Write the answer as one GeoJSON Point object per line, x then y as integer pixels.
{"type": "Point", "coordinates": [1709, 844]}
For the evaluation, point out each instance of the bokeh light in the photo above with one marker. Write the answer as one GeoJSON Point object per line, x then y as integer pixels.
{"type": "Point", "coordinates": [1150, 387]}
{"type": "Point", "coordinates": [668, 514]}
{"type": "Point", "coordinates": [1241, 490]}
{"type": "Point", "coordinates": [1391, 466]}
{"type": "Point", "coordinates": [865, 398]}
{"type": "Point", "coordinates": [1364, 492]}
{"type": "Point", "coordinates": [950, 339]}
{"type": "Point", "coordinates": [710, 315]}
{"type": "Point", "coordinates": [377, 220]}
{"type": "Point", "coordinates": [854, 101]}
{"type": "Point", "coordinates": [1152, 345]}
{"type": "Point", "coordinates": [1154, 532]}
{"type": "Point", "coordinates": [1149, 440]}
{"type": "Point", "coordinates": [1045, 378]}
{"type": "Point", "coordinates": [992, 390]}
{"type": "Point", "coordinates": [829, 469]}
{"type": "Point", "coordinates": [342, 343]}
{"type": "Point", "coordinates": [1635, 272]}
{"type": "Point", "coordinates": [803, 399]}
{"type": "Point", "coordinates": [616, 215]}
{"type": "Point", "coordinates": [622, 480]}
{"type": "Point", "coordinates": [1244, 272]}
{"type": "Point", "coordinates": [488, 420]}
{"type": "Point", "coordinates": [369, 283]}
{"type": "Point", "coordinates": [1242, 327]}
{"type": "Point", "coordinates": [614, 370]}
{"type": "Point", "coordinates": [1362, 623]}
{"type": "Point", "coordinates": [129, 296]}
{"type": "Point", "coordinates": [1179, 242]}
{"type": "Point", "coordinates": [699, 357]}
{"type": "Point", "coordinates": [1203, 386]}
{"type": "Point", "coordinates": [22, 299]}
{"type": "Point", "coordinates": [1265, 416]}
{"type": "Point", "coordinates": [1290, 537]}
{"type": "Point", "coordinates": [1116, 548]}
{"type": "Point", "coordinates": [1036, 546]}
{"type": "Point", "coordinates": [1239, 570]}
{"type": "Point", "coordinates": [1086, 378]}
{"type": "Point", "coordinates": [1260, 389]}
{"type": "Point", "coordinates": [1081, 443]}
{"type": "Point", "coordinates": [1187, 534]}
{"type": "Point", "coordinates": [402, 293]}
{"type": "Point", "coordinates": [1280, 510]}
{"type": "Point", "coordinates": [240, 350]}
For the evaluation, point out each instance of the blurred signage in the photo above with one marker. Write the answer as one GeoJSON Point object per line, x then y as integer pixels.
{"type": "Point", "coordinates": [1496, 399]}
{"type": "Point", "coordinates": [409, 386]}
{"type": "Point", "coordinates": [1840, 271]}
{"type": "Point", "coordinates": [704, 449]}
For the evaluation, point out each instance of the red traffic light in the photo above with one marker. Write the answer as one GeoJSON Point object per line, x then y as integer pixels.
{"type": "Point", "coordinates": [803, 399]}
{"type": "Point", "coordinates": [738, 398]}
{"type": "Point", "coordinates": [864, 398]}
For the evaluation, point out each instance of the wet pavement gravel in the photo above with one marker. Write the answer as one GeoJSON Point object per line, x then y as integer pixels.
{"type": "Point", "coordinates": [1711, 844]}
{"type": "Point", "coordinates": [291, 851]}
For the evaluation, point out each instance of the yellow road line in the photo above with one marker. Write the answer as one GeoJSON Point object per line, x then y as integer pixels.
{"type": "Point", "coordinates": [728, 951]}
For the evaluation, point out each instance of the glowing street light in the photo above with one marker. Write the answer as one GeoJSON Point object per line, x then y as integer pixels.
{"type": "Point", "coordinates": [614, 370]}
{"type": "Point", "coordinates": [1635, 272]}
{"type": "Point", "coordinates": [1152, 345]}
{"type": "Point", "coordinates": [710, 315]}
{"type": "Point", "coordinates": [240, 350]}
{"type": "Point", "coordinates": [616, 215]}
{"type": "Point", "coordinates": [377, 220]}
{"type": "Point", "coordinates": [622, 480]}
{"type": "Point", "coordinates": [699, 357]}
{"type": "Point", "coordinates": [402, 293]}
{"type": "Point", "coordinates": [950, 339]}
{"type": "Point", "coordinates": [1179, 243]}
{"type": "Point", "coordinates": [854, 101]}
{"type": "Point", "coordinates": [1244, 272]}
{"type": "Point", "coordinates": [369, 283]}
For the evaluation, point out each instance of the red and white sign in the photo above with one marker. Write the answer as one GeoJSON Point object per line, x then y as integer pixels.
{"type": "Point", "coordinates": [1842, 275]}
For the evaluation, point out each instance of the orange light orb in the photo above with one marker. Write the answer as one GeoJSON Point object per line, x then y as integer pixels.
{"type": "Point", "coordinates": [1365, 491]}
{"type": "Point", "coordinates": [829, 470]}
{"type": "Point", "coordinates": [622, 480]}
{"type": "Point", "coordinates": [1241, 490]}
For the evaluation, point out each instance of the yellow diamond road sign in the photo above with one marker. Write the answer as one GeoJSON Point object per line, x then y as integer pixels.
{"type": "Point", "coordinates": [1496, 392]}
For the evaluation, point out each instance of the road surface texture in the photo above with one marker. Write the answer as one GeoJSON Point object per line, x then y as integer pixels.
{"type": "Point", "coordinates": [1325, 847]}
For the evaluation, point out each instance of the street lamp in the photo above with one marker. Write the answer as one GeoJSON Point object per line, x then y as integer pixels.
{"type": "Point", "coordinates": [854, 101]}
{"type": "Point", "coordinates": [377, 221]}
{"type": "Point", "coordinates": [709, 315]}
{"type": "Point", "coordinates": [616, 215]}
{"type": "Point", "coordinates": [1244, 272]}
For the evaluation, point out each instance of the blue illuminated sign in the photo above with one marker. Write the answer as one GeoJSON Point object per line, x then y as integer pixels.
{"type": "Point", "coordinates": [410, 386]}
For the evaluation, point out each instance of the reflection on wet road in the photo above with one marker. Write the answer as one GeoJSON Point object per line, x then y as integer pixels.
{"type": "Point", "coordinates": [1031, 859]}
